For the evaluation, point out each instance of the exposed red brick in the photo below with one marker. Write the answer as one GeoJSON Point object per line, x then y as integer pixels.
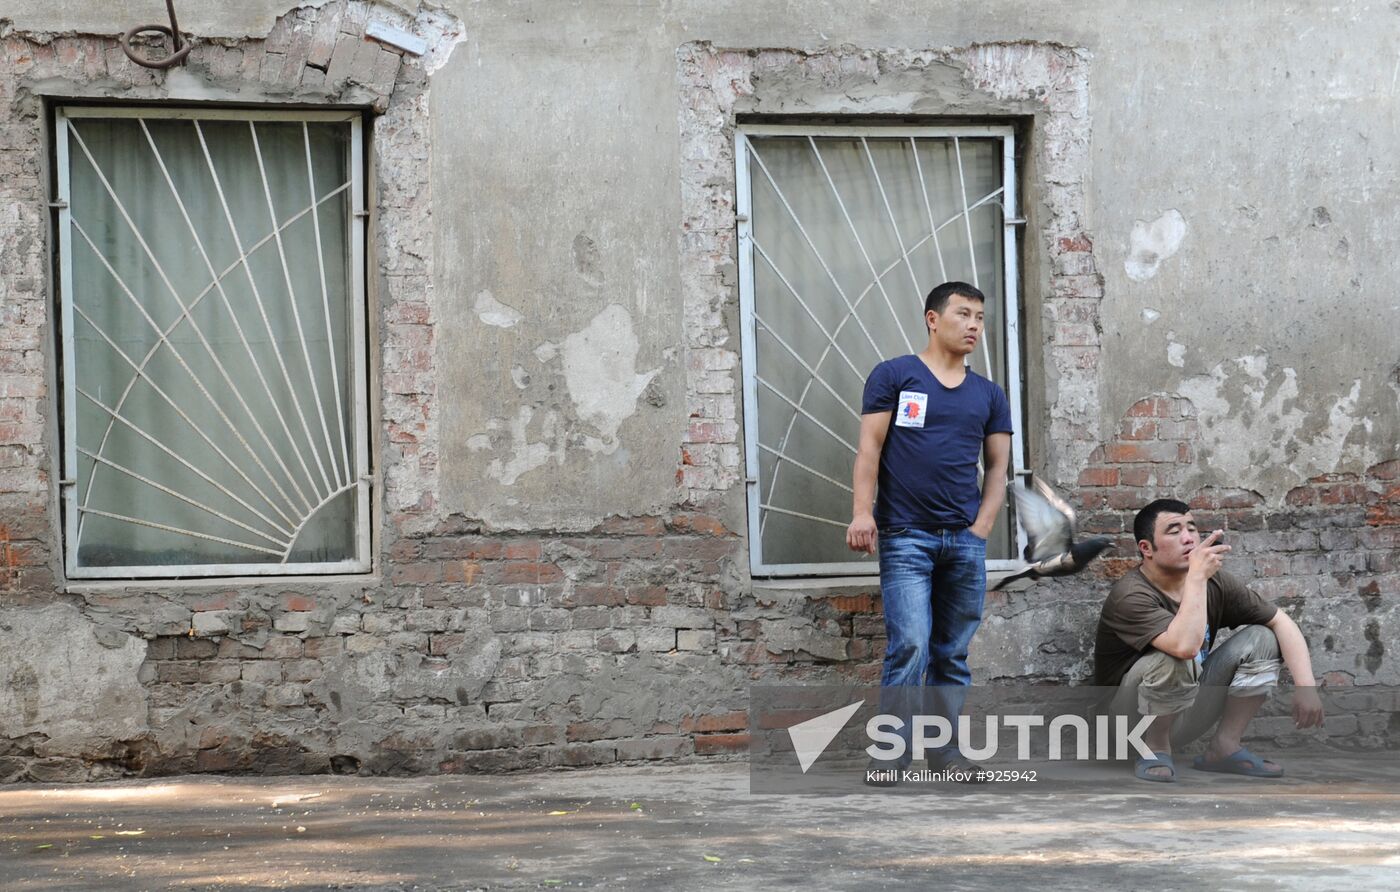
{"type": "Point", "coordinates": [699, 523]}
{"type": "Point", "coordinates": [297, 603]}
{"type": "Point", "coordinates": [726, 721]}
{"type": "Point", "coordinates": [1386, 470]}
{"type": "Point", "coordinates": [215, 601]}
{"type": "Point", "coordinates": [1212, 498]}
{"type": "Point", "coordinates": [445, 643]}
{"type": "Point", "coordinates": [856, 603]}
{"type": "Point", "coordinates": [576, 731]}
{"type": "Point", "coordinates": [528, 573]}
{"type": "Point", "coordinates": [417, 574]}
{"type": "Point", "coordinates": [641, 548]}
{"type": "Point", "coordinates": [713, 744]}
{"type": "Point", "coordinates": [1301, 496]}
{"type": "Point", "coordinates": [1152, 451]}
{"type": "Point", "coordinates": [1384, 514]}
{"type": "Point", "coordinates": [1152, 407]}
{"type": "Point", "coordinates": [460, 572]}
{"type": "Point", "coordinates": [777, 719]}
{"type": "Point", "coordinates": [524, 550]}
{"type": "Point", "coordinates": [1125, 499]}
{"type": "Point", "coordinates": [1343, 494]}
{"type": "Point", "coordinates": [631, 526]}
{"type": "Point", "coordinates": [596, 596]}
{"type": "Point", "coordinates": [647, 595]}
{"type": "Point", "coordinates": [1135, 476]}
{"type": "Point", "coordinates": [1098, 477]}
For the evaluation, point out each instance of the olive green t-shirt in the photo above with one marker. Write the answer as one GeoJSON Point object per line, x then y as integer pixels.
{"type": "Point", "coordinates": [1137, 611]}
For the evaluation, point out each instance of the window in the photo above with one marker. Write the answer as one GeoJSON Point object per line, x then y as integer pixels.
{"type": "Point", "coordinates": [843, 231]}
{"type": "Point", "coordinates": [213, 342]}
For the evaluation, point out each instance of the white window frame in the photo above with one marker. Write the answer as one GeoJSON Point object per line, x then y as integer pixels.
{"type": "Point", "coordinates": [748, 329]}
{"type": "Point", "coordinates": [357, 366]}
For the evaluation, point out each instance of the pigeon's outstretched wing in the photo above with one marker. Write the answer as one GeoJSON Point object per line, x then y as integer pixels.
{"type": "Point", "coordinates": [1054, 499]}
{"type": "Point", "coordinates": [1049, 526]}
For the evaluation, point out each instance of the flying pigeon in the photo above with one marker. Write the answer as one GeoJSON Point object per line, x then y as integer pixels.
{"type": "Point", "coordinates": [1049, 524]}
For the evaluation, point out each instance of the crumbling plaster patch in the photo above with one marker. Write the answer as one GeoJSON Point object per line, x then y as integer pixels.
{"type": "Point", "coordinates": [65, 677]}
{"type": "Point", "coordinates": [600, 365]}
{"type": "Point", "coordinates": [493, 312]}
{"type": "Point", "coordinates": [1260, 432]}
{"type": "Point", "coordinates": [1151, 243]}
{"type": "Point", "coordinates": [598, 368]}
{"type": "Point", "coordinates": [244, 19]}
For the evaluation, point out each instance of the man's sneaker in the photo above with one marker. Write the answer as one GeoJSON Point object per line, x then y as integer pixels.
{"type": "Point", "coordinates": [965, 771]}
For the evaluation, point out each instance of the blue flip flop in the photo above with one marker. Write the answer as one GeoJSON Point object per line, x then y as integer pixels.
{"type": "Point", "coordinates": [1158, 760]}
{"type": "Point", "coordinates": [1241, 762]}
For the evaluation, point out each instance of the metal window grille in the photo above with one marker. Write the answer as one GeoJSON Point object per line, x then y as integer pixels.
{"type": "Point", "coordinates": [211, 279]}
{"type": "Point", "coordinates": [842, 233]}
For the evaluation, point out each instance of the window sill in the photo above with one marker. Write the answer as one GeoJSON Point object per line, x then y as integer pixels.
{"type": "Point", "coordinates": [109, 586]}
{"type": "Point", "coordinates": [836, 586]}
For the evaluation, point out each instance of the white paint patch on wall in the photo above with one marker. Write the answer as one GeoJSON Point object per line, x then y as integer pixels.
{"type": "Point", "coordinates": [493, 312]}
{"type": "Point", "coordinates": [1252, 424]}
{"type": "Point", "coordinates": [1176, 353]}
{"type": "Point", "coordinates": [600, 370]}
{"type": "Point", "coordinates": [526, 456]}
{"type": "Point", "coordinates": [1151, 243]}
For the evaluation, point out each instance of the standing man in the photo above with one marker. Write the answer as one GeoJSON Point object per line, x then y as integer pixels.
{"type": "Point", "coordinates": [1156, 644]}
{"type": "Point", "coordinates": [925, 419]}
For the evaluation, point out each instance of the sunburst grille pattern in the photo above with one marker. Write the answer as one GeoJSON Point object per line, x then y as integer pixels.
{"type": "Point", "coordinates": [842, 235]}
{"type": "Point", "coordinates": [213, 338]}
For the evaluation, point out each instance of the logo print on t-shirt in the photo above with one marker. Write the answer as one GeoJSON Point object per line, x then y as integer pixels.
{"type": "Point", "coordinates": [911, 410]}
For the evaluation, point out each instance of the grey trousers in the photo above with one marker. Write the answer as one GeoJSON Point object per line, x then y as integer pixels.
{"type": "Point", "coordinates": [1246, 665]}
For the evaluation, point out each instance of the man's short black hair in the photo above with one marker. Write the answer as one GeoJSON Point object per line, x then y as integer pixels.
{"type": "Point", "coordinates": [1145, 524]}
{"type": "Point", "coordinates": [938, 298]}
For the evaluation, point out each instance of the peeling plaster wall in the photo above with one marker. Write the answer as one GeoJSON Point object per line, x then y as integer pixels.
{"type": "Point", "coordinates": [248, 18]}
{"type": "Point", "coordinates": [1275, 309]}
{"type": "Point", "coordinates": [559, 277]}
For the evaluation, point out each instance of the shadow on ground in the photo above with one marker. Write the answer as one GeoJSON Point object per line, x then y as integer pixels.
{"type": "Point", "coordinates": [693, 827]}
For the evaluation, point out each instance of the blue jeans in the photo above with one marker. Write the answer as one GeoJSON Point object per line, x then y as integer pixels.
{"type": "Point", "coordinates": [932, 584]}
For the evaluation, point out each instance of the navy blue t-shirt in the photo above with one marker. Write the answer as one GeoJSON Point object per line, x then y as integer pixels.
{"type": "Point", "coordinates": [928, 467]}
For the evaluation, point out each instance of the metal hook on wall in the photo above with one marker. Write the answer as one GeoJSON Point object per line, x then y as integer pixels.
{"type": "Point", "coordinates": [173, 32]}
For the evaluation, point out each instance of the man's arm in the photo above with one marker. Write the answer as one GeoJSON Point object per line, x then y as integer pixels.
{"type": "Point", "coordinates": [861, 535]}
{"type": "Point", "coordinates": [996, 458]}
{"type": "Point", "coordinates": [1307, 706]}
{"type": "Point", "coordinates": [1183, 638]}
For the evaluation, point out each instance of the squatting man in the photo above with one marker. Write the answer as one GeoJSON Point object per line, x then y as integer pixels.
{"type": "Point", "coordinates": [1156, 644]}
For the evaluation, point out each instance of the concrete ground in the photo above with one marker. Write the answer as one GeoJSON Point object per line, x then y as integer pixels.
{"type": "Point", "coordinates": [696, 827]}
